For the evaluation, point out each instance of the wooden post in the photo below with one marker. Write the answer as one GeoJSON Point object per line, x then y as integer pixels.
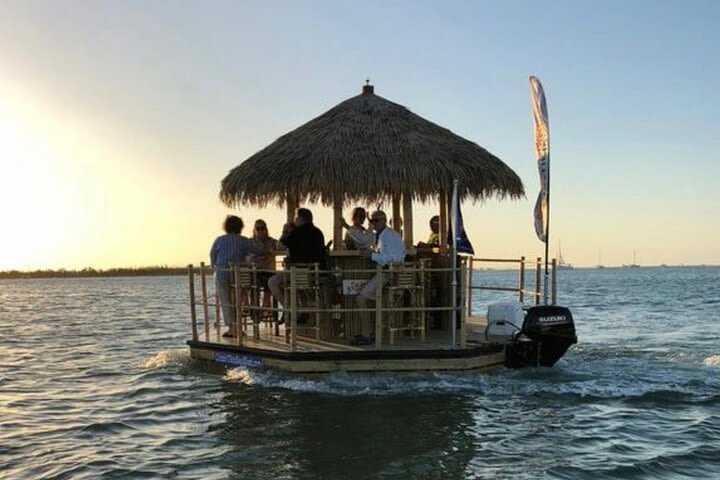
{"type": "Point", "coordinates": [554, 281]}
{"type": "Point", "coordinates": [469, 286]}
{"type": "Point", "coordinates": [238, 310]}
{"type": "Point", "coordinates": [193, 317]}
{"type": "Point", "coordinates": [206, 313]}
{"type": "Point", "coordinates": [397, 220]}
{"type": "Point", "coordinates": [521, 280]}
{"type": "Point", "coordinates": [442, 234]}
{"type": "Point", "coordinates": [255, 313]}
{"type": "Point", "coordinates": [463, 317]}
{"type": "Point", "coordinates": [293, 309]}
{"type": "Point", "coordinates": [538, 270]}
{"type": "Point", "coordinates": [407, 220]}
{"type": "Point", "coordinates": [291, 203]}
{"type": "Point", "coordinates": [217, 313]}
{"type": "Point", "coordinates": [378, 307]}
{"type": "Point", "coordinates": [337, 223]}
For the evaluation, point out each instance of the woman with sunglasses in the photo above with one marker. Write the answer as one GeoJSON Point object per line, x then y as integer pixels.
{"type": "Point", "coordinates": [263, 248]}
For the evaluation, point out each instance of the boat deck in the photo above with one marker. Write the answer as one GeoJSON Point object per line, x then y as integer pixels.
{"type": "Point", "coordinates": [313, 355]}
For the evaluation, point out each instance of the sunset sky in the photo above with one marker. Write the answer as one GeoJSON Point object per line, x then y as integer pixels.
{"type": "Point", "coordinates": [119, 119]}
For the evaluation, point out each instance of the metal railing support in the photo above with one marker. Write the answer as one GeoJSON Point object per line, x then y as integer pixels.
{"type": "Point", "coordinates": [469, 286]}
{"type": "Point", "coordinates": [521, 280]}
{"type": "Point", "coordinates": [554, 281]}
{"type": "Point", "coordinates": [538, 271]}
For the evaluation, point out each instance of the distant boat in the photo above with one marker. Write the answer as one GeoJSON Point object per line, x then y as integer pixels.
{"type": "Point", "coordinates": [561, 265]}
{"type": "Point", "coordinates": [634, 264]}
{"type": "Point", "coordinates": [599, 264]}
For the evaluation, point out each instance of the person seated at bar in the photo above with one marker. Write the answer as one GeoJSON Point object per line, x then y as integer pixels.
{"type": "Point", "coordinates": [434, 238]}
{"type": "Point", "coordinates": [357, 236]}
{"type": "Point", "coordinates": [262, 254]}
{"type": "Point", "coordinates": [305, 243]}
{"type": "Point", "coordinates": [389, 249]}
{"type": "Point", "coordinates": [231, 248]}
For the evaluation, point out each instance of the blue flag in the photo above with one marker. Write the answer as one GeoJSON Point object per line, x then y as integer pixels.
{"type": "Point", "coordinates": [460, 241]}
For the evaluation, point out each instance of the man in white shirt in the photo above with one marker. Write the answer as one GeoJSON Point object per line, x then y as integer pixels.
{"type": "Point", "coordinates": [389, 249]}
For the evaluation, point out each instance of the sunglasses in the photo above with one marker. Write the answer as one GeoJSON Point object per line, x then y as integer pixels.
{"type": "Point", "coordinates": [376, 220]}
{"type": "Point", "coordinates": [260, 229]}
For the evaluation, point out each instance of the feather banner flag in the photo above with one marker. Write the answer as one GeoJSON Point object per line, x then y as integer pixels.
{"type": "Point", "coordinates": [460, 241]}
{"type": "Point", "coordinates": [542, 152]}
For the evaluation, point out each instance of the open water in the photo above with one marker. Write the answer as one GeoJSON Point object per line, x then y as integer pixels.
{"type": "Point", "coordinates": [95, 383]}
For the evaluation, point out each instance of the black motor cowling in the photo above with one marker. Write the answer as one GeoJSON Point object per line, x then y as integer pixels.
{"type": "Point", "coordinates": [547, 333]}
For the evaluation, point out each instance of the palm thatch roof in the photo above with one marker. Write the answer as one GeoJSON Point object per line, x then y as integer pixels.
{"type": "Point", "coordinates": [368, 148]}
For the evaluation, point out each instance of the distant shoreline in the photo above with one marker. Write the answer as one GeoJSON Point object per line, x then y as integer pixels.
{"type": "Point", "coordinates": [91, 272]}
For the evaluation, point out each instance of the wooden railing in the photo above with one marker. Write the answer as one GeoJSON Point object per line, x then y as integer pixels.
{"type": "Point", "coordinates": [294, 309]}
{"type": "Point", "coordinates": [520, 289]}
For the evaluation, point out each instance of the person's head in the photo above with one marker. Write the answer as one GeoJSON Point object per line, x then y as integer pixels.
{"type": "Point", "coordinates": [260, 230]}
{"type": "Point", "coordinates": [233, 224]}
{"type": "Point", "coordinates": [303, 216]}
{"type": "Point", "coordinates": [435, 224]}
{"type": "Point", "coordinates": [358, 216]}
{"type": "Point", "coordinates": [378, 220]}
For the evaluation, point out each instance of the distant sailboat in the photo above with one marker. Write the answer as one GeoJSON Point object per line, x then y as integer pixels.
{"type": "Point", "coordinates": [634, 264]}
{"type": "Point", "coordinates": [599, 264]}
{"type": "Point", "coordinates": [561, 265]}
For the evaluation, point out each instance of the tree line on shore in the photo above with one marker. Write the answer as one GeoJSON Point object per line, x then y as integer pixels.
{"type": "Point", "coordinates": [92, 272]}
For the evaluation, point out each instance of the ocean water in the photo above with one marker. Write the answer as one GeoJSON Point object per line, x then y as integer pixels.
{"type": "Point", "coordinates": [96, 382]}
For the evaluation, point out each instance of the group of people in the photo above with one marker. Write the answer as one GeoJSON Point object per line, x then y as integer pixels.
{"type": "Point", "coordinates": [305, 243]}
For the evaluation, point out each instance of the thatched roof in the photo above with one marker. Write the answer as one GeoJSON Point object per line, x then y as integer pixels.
{"type": "Point", "coordinates": [368, 148]}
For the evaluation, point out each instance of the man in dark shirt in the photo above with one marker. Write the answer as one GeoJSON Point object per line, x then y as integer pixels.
{"type": "Point", "coordinates": [306, 244]}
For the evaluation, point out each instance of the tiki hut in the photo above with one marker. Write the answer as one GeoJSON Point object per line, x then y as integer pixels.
{"type": "Point", "coordinates": [368, 149]}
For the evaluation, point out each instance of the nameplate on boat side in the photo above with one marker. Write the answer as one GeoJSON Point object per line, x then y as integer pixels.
{"type": "Point", "coordinates": [352, 287]}
{"type": "Point", "coordinates": [237, 359]}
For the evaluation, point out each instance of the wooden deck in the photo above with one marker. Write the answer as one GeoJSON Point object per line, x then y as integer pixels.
{"type": "Point", "coordinates": [313, 355]}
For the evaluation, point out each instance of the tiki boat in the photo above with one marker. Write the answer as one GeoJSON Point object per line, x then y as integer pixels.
{"type": "Point", "coordinates": [368, 150]}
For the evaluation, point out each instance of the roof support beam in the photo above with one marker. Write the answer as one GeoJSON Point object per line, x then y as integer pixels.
{"type": "Point", "coordinates": [407, 220]}
{"type": "Point", "coordinates": [442, 234]}
{"type": "Point", "coordinates": [396, 220]}
{"type": "Point", "coordinates": [337, 223]}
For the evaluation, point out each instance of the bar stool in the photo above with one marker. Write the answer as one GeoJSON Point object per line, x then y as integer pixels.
{"type": "Point", "coordinates": [246, 286]}
{"type": "Point", "coordinates": [410, 278]}
{"type": "Point", "coordinates": [307, 284]}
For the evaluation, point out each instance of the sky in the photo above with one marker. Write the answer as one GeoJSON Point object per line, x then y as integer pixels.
{"type": "Point", "coordinates": [119, 119]}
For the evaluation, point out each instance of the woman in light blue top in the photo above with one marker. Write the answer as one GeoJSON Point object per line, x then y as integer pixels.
{"type": "Point", "coordinates": [231, 248]}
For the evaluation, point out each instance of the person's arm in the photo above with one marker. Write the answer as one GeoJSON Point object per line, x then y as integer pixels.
{"type": "Point", "coordinates": [361, 239]}
{"type": "Point", "coordinates": [287, 234]}
{"type": "Point", "coordinates": [391, 250]}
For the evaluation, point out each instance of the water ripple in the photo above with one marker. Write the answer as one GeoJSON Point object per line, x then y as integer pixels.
{"type": "Point", "coordinates": [95, 382]}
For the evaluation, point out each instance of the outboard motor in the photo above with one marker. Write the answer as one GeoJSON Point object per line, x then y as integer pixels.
{"type": "Point", "coordinates": [547, 333]}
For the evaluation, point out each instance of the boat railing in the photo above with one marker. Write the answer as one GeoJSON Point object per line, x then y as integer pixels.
{"type": "Point", "coordinates": [520, 288]}
{"type": "Point", "coordinates": [249, 310]}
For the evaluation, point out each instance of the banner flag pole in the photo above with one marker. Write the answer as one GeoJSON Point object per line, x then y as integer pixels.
{"type": "Point", "coordinates": [542, 153]}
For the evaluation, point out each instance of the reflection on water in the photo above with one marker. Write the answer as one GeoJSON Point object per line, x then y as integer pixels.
{"type": "Point", "coordinates": [95, 383]}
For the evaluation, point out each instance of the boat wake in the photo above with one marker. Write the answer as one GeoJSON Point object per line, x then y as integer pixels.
{"type": "Point", "coordinates": [167, 357]}
{"type": "Point", "coordinates": [712, 361]}
{"type": "Point", "coordinates": [355, 384]}
{"type": "Point", "coordinates": [545, 383]}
